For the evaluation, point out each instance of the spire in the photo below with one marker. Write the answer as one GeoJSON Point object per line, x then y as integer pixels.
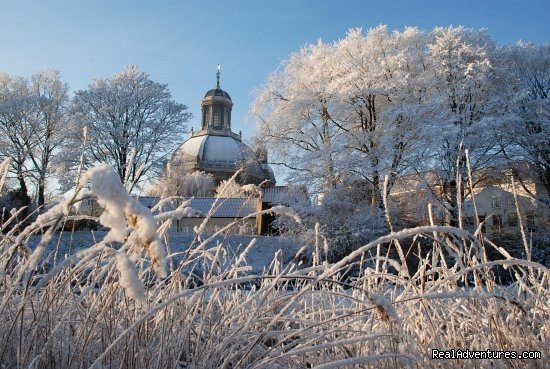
{"type": "Point", "coordinates": [218, 78]}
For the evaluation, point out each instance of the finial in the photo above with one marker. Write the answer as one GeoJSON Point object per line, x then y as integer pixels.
{"type": "Point", "coordinates": [218, 78]}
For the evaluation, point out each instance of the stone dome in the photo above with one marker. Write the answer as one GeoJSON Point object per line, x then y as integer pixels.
{"type": "Point", "coordinates": [221, 154]}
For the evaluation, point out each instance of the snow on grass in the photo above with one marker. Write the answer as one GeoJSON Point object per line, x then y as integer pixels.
{"type": "Point", "coordinates": [122, 211]}
{"type": "Point", "coordinates": [243, 302]}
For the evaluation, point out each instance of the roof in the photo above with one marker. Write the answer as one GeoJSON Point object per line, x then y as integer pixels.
{"type": "Point", "coordinates": [215, 150]}
{"type": "Point", "coordinates": [148, 201]}
{"type": "Point", "coordinates": [225, 207]}
{"type": "Point", "coordinates": [221, 152]}
{"type": "Point", "coordinates": [218, 92]}
{"type": "Point", "coordinates": [283, 194]}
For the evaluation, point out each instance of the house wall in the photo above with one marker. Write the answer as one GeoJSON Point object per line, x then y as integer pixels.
{"type": "Point", "coordinates": [494, 199]}
{"type": "Point", "coordinates": [497, 205]}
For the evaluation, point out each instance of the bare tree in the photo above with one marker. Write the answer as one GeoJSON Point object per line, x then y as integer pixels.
{"type": "Point", "coordinates": [51, 121]}
{"type": "Point", "coordinates": [132, 122]}
{"type": "Point", "coordinates": [527, 130]}
{"type": "Point", "coordinates": [17, 128]}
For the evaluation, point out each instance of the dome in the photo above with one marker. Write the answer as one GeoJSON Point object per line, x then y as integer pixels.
{"type": "Point", "coordinates": [213, 150]}
{"type": "Point", "coordinates": [217, 92]}
{"type": "Point", "coordinates": [221, 155]}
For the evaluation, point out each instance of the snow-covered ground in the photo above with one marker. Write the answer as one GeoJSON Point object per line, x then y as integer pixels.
{"type": "Point", "coordinates": [260, 255]}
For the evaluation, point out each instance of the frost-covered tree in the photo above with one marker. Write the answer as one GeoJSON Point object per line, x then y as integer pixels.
{"type": "Point", "coordinates": [132, 122]}
{"type": "Point", "coordinates": [459, 113]}
{"type": "Point", "coordinates": [377, 87]}
{"type": "Point", "coordinates": [17, 128]}
{"type": "Point", "coordinates": [172, 183]}
{"type": "Point", "coordinates": [292, 112]}
{"type": "Point", "coordinates": [380, 104]}
{"type": "Point", "coordinates": [229, 188]}
{"type": "Point", "coordinates": [526, 131]}
{"type": "Point", "coordinates": [347, 112]}
{"type": "Point", "coordinates": [52, 125]}
{"type": "Point", "coordinates": [33, 123]}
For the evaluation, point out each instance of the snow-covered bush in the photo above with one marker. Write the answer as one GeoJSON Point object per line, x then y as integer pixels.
{"type": "Point", "coordinates": [343, 216]}
{"type": "Point", "coordinates": [229, 188]}
{"type": "Point", "coordinates": [173, 183]}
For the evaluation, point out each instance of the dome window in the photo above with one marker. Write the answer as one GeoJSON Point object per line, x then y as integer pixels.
{"type": "Point", "coordinates": [226, 121]}
{"type": "Point", "coordinates": [218, 113]}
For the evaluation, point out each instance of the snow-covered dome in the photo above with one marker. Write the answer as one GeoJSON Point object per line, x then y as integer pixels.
{"type": "Point", "coordinates": [215, 149]}
{"type": "Point", "coordinates": [220, 153]}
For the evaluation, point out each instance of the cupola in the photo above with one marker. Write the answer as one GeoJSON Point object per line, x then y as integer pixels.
{"type": "Point", "coordinates": [216, 108]}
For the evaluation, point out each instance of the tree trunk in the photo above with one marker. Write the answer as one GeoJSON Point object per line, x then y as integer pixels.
{"type": "Point", "coordinates": [23, 193]}
{"type": "Point", "coordinates": [41, 189]}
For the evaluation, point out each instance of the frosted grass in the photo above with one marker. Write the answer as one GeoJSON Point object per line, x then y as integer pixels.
{"type": "Point", "coordinates": [106, 305]}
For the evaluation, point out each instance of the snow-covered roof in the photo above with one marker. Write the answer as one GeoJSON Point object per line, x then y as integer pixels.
{"type": "Point", "coordinates": [219, 151]}
{"type": "Point", "coordinates": [148, 201]}
{"type": "Point", "coordinates": [283, 194]}
{"type": "Point", "coordinates": [224, 207]}
{"type": "Point", "coordinates": [215, 150]}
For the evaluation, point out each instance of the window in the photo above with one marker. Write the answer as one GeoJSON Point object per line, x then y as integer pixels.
{"type": "Point", "coordinates": [226, 118]}
{"type": "Point", "coordinates": [511, 201]}
{"type": "Point", "coordinates": [495, 201]}
{"type": "Point", "coordinates": [512, 220]}
{"type": "Point", "coordinates": [497, 222]}
{"type": "Point", "coordinates": [218, 116]}
{"type": "Point", "coordinates": [206, 117]}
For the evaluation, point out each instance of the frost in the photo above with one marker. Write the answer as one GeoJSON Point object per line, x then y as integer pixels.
{"type": "Point", "coordinates": [129, 279]}
{"type": "Point", "coordinates": [285, 210]}
{"type": "Point", "coordinates": [127, 219]}
{"type": "Point", "coordinates": [385, 307]}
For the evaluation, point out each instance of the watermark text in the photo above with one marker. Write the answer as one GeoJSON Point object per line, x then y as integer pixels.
{"type": "Point", "coordinates": [485, 354]}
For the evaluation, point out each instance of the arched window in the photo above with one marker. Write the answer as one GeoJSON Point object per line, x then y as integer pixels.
{"type": "Point", "coordinates": [226, 120]}
{"type": "Point", "coordinates": [218, 112]}
{"type": "Point", "coordinates": [205, 117]}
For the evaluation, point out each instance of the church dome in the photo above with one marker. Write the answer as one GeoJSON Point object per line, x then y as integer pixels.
{"type": "Point", "coordinates": [221, 155]}
{"type": "Point", "coordinates": [215, 149]}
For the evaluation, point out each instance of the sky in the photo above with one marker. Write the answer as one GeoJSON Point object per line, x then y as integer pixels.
{"type": "Point", "coordinates": [181, 42]}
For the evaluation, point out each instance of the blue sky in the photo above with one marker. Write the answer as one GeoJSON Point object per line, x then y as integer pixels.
{"type": "Point", "coordinates": [181, 42]}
